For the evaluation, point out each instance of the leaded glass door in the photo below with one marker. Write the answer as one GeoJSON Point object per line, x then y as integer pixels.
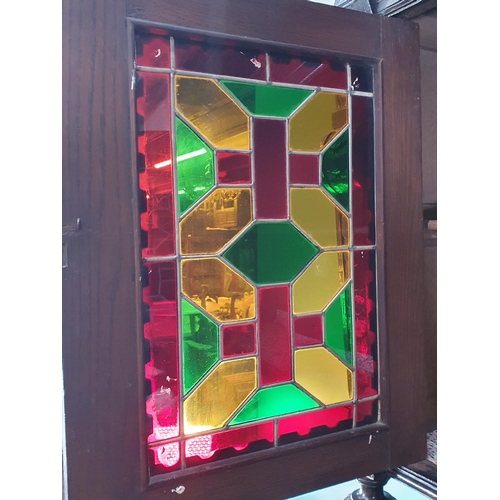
{"type": "Point", "coordinates": [254, 182]}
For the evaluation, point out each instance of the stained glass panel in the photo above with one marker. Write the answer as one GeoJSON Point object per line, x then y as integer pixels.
{"type": "Point", "coordinates": [256, 178]}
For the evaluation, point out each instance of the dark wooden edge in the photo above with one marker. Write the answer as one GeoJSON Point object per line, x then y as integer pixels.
{"type": "Point", "coordinates": [402, 199]}
{"type": "Point", "coordinates": [103, 366]}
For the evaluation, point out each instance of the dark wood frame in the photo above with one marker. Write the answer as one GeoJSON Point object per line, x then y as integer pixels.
{"type": "Point", "coordinates": [102, 350]}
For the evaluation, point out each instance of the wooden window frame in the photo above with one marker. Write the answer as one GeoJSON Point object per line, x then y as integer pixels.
{"type": "Point", "coordinates": [102, 338]}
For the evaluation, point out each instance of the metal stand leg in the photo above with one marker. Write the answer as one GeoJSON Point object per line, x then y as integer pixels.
{"type": "Point", "coordinates": [372, 488]}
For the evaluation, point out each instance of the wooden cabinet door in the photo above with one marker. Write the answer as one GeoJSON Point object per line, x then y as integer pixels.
{"type": "Point", "coordinates": [105, 387]}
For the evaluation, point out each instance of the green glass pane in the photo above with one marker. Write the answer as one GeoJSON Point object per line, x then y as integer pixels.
{"type": "Point", "coordinates": [335, 170]}
{"type": "Point", "coordinates": [200, 345]}
{"type": "Point", "coordinates": [267, 100]}
{"type": "Point", "coordinates": [271, 252]}
{"type": "Point", "coordinates": [195, 166]}
{"type": "Point", "coordinates": [273, 402]}
{"type": "Point", "coordinates": [338, 325]}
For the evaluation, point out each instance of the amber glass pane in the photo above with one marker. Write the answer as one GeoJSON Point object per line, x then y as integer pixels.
{"type": "Point", "coordinates": [200, 345]}
{"type": "Point", "coordinates": [215, 221]}
{"type": "Point", "coordinates": [270, 252]}
{"type": "Point", "coordinates": [307, 71]}
{"type": "Point", "coordinates": [216, 399]}
{"type": "Point", "coordinates": [365, 323]}
{"type": "Point", "coordinates": [204, 447]}
{"type": "Point", "coordinates": [335, 170]}
{"type": "Point", "coordinates": [266, 100]}
{"type": "Point", "coordinates": [274, 335]}
{"type": "Point", "coordinates": [155, 151]}
{"type": "Point", "coordinates": [308, 330]}
{"type": "Point", "coordinates": [323, 375]}
{"type": "Point", "coordinates": [363, 219]}
{"type": "Point", "coordinates": [338, 325]}
{"type": "Point", "coordinates": [218, 289]}
{"type": "Point", "coordinates": [273, 402]}
{"type": "Point", "coordinates": [160, 296]}
{"type": "Point", "coordinates": [319, 217]}
{"type": "Point", "coordinates": [195, 166]}
{"type": "Point", "coordinates": [318, 122]}
{"type": "Point", "coordinates": [322, 280]}
{"type": "Point", "coordinates": [219, 59]}
{"type": "Point", "coordinates": [152, 51]}
{"type": "Point", "coordinates": [233, 168]}
{"type": "Point", "coordinates": [270, 168]}
{"type": "Point", "coordinates": [212, 113]}
{"type": "Point", "coordinates": [303, 169]}
{"type": "Point", "coordinates": [238, 340]}
{"type": "Point", "coordinates": [314, 423]}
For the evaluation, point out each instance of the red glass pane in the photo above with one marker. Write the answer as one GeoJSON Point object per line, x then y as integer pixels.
{"type": "Point", "coordinates": [218, 59]}
{"type": "Point", "coordinates": [274, 335]}
{"type": "Point", "coordinates": [303, 424]}
{"type": "Point", "coordinates": [362, 171]}
{"type": "Point", "coordinates": [155, 160]}
{"type": "Point", "coordinates": [314, 72]}
{"type": "Point", "coordinates": [308, 330]}
{"type": "Point", "coordinates": [238, 340]}
{"type": "Point", "coordinates": [160, 295]}
{"type": "Point", "coordinates": [165, 456]}
{"type": "Point", "coordinates": [205, 446]}
{"type": "Point", "coordinates": [270, 151]}
{"type": "Point", "coordinates": [365, 323]}
{"type": "Point", "coordinates": [152, 51]}
{"type": "Point", "coordinates": [304, 169]}
{"type": "Point", "coordinates": [233, 168]}
{"type": "Point", "coordinates": [366, 412]}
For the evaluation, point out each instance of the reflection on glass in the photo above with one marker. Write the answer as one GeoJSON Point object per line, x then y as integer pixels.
{"type": "Point", "coordinates": [215, 287]}
{"type": "Point", "coordinates": [335, 170]}
{"type": "Point", "coordinates": [303, 169]}
{"type": "Point", "coordinates": [270, 252]}
{"type": "Point", "coordinates": [238, 340]}
{"type": "Point", "coordinates": [323, 375]}
{"type": "Point", "coordinates": [204, 447]}
{"type": "Point", "coordinates": [216, 58]}
{"type": "Point", "coordinates": [362, 78]}
{"type": "Point", "coordinates": [321, 281]}
{"type": "Point", "coordinates": [233, 168]}
{"type": "Point", "coordinates": [270, 151]}
{"type": "Point", "coordinates": [274, 335]}
{"type": "Point", "coordinates": [318, 122]}
{"type": "Point", "coordinates": [319, 217]}
{"type": "Point", "coordinates": [308, 330]}
{"type": "Point", "coordinates": [307, 71]}
{"type": "Point", "coordinates": [273, 402]}
{"type": "Point", "coordinates": [338, 325]}
{"type": "Point", "coordinates": [154, 147]}
{"type": "Point", "coordinates": [210, 111]}
{"type": "Point", "coordinates": [321, 421]}
{"type": "Point", "coordinates": [266, 100]}
{"type": "Point", "coordinates": [215, 221]}
{"type": "Point", "coordinates": [195, 166]}
{"type": "Point", "coordinates": [152, 51]}
{"type": "Point", "coordinates": [200, 345]}
{"type": "Point", "coordinates": [222, 392]}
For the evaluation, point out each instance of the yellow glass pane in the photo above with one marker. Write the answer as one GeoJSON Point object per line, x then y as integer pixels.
{"type": "Point", "coordinates": [321, 281]}
{"type": "Point", "coordinates": [220, 395]}
{"type": "Point", "coordinates": [215, 287]}
{"type": "Point", "coordinates": [212, 112]}
{"type": "Point", "coordinates": [318, 122]}
{"type": "Point", "coordinates": [318, 371]}
{"type": "Point", "coordinates": [215, 221]}
{"type": "Point", "coordinates": [317, 215]}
